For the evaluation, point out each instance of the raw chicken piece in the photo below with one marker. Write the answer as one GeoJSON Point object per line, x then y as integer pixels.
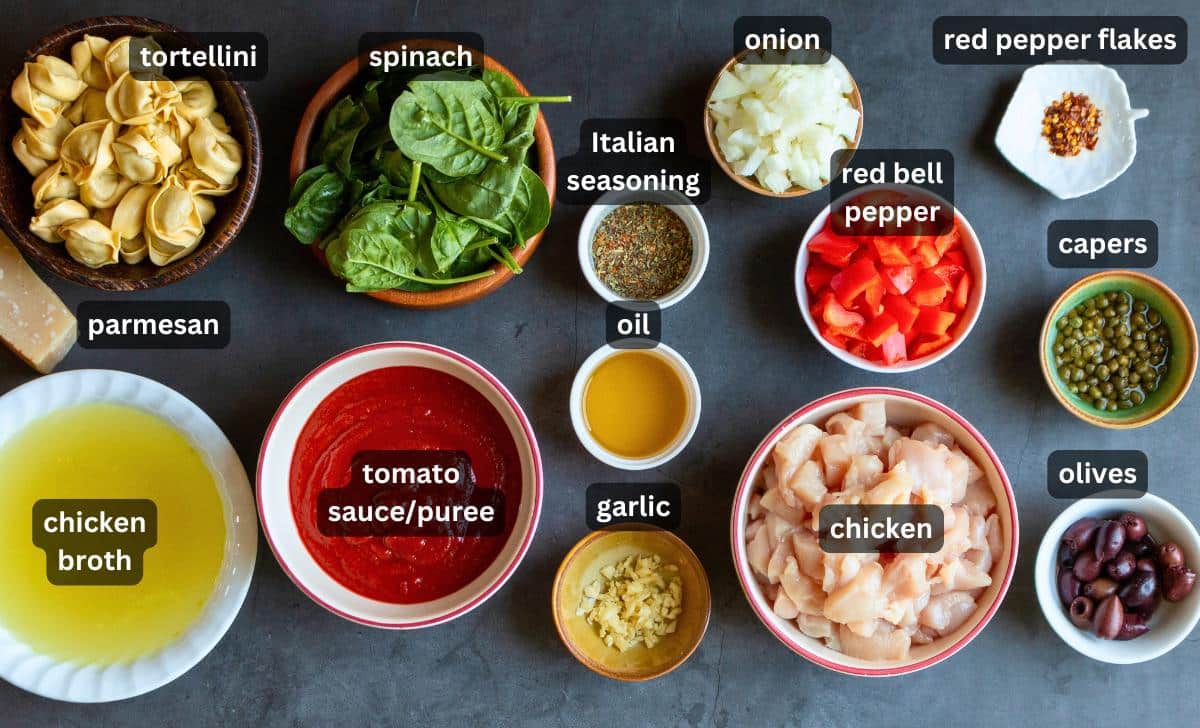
{"type": "Point", "coordinates": [959, 575]}
{"type": "Point", "coordinates": [779, 558]}
{"type": "Point", "coordinates": [809, 556]}
{"type": "Point", "coordinates": [922, 636]}
{"type": "Point", "coordinates": [795, 449]}
{"type": "Point", "coordinates": [978, 531]}
{"type": "Point", "coordinates": [939, 475]}
{"type": "Point", "coordinates": [905, 578]}
{"type": "Point", "coordinates": [835, 452]}
{"type": "Point", "coordinates": [957, 538]}
{"type": "Point", "coordinates": [974, 472]}
{"type": "Point", "coordinates": [816, 626]}
{"type": "Point", "coordinates": [754, 509]}
{"type": "Point", "coordinates": [840, 569]}
{"type": "Point", "coordinates": [864, 472]}
{"type": "Point", "coordinates": [890, 436]}
{"type": "Point", "coordinates": [886, 644]}
{"type": "Point", "coordinates": [807, 484]}
{"type": "Point", "coordinates": [844, 424]}
{"type": "Point", "coordinates": [932, 434]}
{"type": "Point", "coordinates": [784, 607]}
{"type": "Point", "coordinates": [979, 498]}
{"type": "Point", "coordinates": [873, 414]}
{"type": "Point", "coordinates": [752, 529]}
{"type": "Point", "coordinates": [803, 592]}
{"type": "Point", "coordinates": [860, 599]}
{"type": "Point", "coordinates": [758, 552]}
{"type": "Point", "coordinates": [895, 488]}
{"type": "Point", "coordinates": [947, 612]}
{"type": "Point", "coordinates": [774, 502]}
{"type": "Point", "coordinates": [778, 529]}
{"type": "Point", "coordinates": [994, 540]}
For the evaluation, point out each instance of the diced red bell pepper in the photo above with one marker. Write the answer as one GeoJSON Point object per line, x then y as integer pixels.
{"type": "Point", "coordinates": [926, 255]}
{"type": "Point", "coordinates": [948, 271]}
{"type": "Point", "coordinates": [853, 281]}
{"type": "Point", "coordinates": [947, 242]}
{"type": "Point", "coordinates": [834, 338]}
{"type": "Point", "coordinates": [962, 293]}
{"type": "Point", "coordinates": [934, 321]}
{"type": "Point", "coordinates": [818, 276]}
{"type": "Point", "coordinates": [873, 296]}
{"type": "Point", "coordinates": [879, 329]}
{"type": "Point", "coordinates": [955, 256]}
{"type": "Point", "coordinates": [928, 346]}
{"type": "Point", "coordinates": [898, 279]}
{"type": "Point", "coordinates": [835, 315]}
{"type": "Point", "coordinates": [894, 349]}
{"type": "Point", "coordinates": [833, 249]}
{"type": "Point", "coordinates": [861, 349]}
{"type": "Point", "coordinates": [889, 251]}
{"type": "Point", "coordinates": [929, 290]}
{"type": "Point", "coordinates": [902, 310]}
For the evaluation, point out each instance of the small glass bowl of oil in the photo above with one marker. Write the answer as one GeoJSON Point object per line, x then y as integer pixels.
{"type": "Point", "coordinates": [635, 409]}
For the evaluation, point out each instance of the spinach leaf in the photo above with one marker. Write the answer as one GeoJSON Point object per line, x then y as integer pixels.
{"type": "Point", "coordinates": [339, 132]}
{"type": "Point", "coordinates": [317, 202]}
{"type": "Point", "coordinates": [371, 260]}
{"type": "Point", "coordinates": [449, 125]}
{"type": "Point", "coordinates": [452, 237]}
{"type": "Point", "coordinates": [529, 211]}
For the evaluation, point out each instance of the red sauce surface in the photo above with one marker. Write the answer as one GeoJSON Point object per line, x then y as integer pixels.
{"type": "Point", "coordinates": [402, 408]}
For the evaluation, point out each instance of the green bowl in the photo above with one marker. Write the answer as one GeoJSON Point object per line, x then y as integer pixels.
{"type": "Point", "coordinates": [1182, 358]}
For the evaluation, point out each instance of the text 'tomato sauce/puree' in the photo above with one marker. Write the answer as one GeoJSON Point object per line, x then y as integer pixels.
{"type": "Point", "coordinates": [402, 408]}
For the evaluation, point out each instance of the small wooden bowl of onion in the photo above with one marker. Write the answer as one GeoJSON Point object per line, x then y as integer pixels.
{"type": "Point", "coordinates": [223, 214]}
{"type": "Point", "coordinates": [719, 92]}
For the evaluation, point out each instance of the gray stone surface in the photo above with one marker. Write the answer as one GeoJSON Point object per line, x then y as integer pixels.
{"type": "Point", "coordinates": [288, 662]}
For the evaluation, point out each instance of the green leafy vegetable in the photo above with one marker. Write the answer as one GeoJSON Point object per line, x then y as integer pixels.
{"type": "Point", "coordinates": [339, 132]}
{"type": "Point", "coordinates": [317, 202]}
{"type": "Point", "coordinates": [449, 125]}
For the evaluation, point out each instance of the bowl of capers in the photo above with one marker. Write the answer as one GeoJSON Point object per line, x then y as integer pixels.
{"type": "Point", "coordinates": [1118, 349]}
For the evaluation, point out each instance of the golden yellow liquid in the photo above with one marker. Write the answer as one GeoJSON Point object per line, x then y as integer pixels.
{"type": "Point", "coordinates": [108, 451]}
{"type": "Point", "coordinates": [635, 404]}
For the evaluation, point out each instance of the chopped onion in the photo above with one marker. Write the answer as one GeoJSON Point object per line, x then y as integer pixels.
{"type": "Point", "coordinates": [782, 123]}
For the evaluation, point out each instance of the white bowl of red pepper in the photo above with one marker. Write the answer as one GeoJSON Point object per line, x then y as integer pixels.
{"type": "Point", "coordinates": [1167, 616]}
{"type": "Point", "coordinates": [643, 246]}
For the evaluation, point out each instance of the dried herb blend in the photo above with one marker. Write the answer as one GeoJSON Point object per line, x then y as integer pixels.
{"type": "Point", "coordinates": [1071, 125]}
{"type": "Point", "coordinates": [642, 250]}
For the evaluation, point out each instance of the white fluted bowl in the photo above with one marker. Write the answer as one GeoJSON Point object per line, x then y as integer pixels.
{"type": "Point", "coordinates": [92, 683]}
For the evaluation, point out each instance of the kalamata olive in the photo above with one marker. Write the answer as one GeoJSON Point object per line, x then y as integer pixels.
{"type": "Point", "coordinates": [1148, 609]}
{"type": "Point", "coordinates": [1068, 587]}
{"type": "Point", "coordinates": [1146, 565]}
{"type": "Point", "coordinates": [1169, 554]}
{"type": "Point", "coordinates": [1110, 537]}
{"type": "Point", "coordinates": [1066, 559]}
{"type": "Point", "coordinates": [1135, 526]}
{"type": "Point", "coordinates": [1099, 590]}
{"type": "Point", "coordinates": [1140, 590]}
{"type": "Point", "coordinates": [1146, 547]}
{"type": "Point", "coordinates": [1110, 615]}
{"type": "Point", "coordinates": [1081, 611]}
{"type": "Point", "coordinates": [1079, 536]}
{"type": "Point", "coordinates": [1133, 626]}
{"type": "Point", "coordinates": [1121, 568]}
{"type": "Point", "coordinates": [1087, 567]}
{"type": "Point", "coordinates": [1177, 583]}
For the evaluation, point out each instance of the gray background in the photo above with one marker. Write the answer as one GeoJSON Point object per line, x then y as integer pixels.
{"type": "Point", "coordinates": [288, 662]}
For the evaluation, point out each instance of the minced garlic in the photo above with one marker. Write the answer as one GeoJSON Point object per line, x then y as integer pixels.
{"type": "Point", "coordinates": [633, 602]}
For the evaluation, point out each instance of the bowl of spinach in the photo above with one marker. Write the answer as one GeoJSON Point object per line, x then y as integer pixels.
{"type": "Point", "coordinates": [425, 190]}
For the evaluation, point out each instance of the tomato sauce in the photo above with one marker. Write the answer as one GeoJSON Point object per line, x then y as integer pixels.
{"type": "Point", "coordinates": [402, 408]}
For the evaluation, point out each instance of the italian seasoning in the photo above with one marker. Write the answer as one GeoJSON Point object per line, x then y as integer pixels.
{"type": "Point", "coordinates": [642, 251]}
{"type": "Point", "coordinates": [1071, 125]}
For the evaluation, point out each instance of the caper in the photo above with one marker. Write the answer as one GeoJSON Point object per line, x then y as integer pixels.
{"type": "Point", "coordinates": [1136, 397]}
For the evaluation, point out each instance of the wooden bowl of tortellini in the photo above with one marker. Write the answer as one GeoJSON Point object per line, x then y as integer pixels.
{"type": "Point", "coordinates": [123, 183]}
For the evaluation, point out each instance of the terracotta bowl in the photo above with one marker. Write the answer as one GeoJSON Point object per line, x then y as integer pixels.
{"type": "Point", "coordinates": [581, 567]}
{"type": "Point", "coordinates": [335, 87]}
{"type": "Point", "coordinates": [751, 183]}
{"type": "Point", "coordinates": [16, 203]}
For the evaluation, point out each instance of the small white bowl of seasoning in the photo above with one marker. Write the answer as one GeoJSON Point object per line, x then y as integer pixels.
{"type": "Point", "coordinates": [635, 409]}
{"type": "Point", "coordinates": [646, 246]}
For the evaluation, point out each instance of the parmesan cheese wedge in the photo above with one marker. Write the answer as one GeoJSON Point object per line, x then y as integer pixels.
{"type": "Point", "coordinates": [34, 323]}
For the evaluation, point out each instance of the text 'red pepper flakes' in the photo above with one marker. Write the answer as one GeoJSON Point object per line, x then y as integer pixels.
{"type": "Point", "coordinates": [1071, 125]}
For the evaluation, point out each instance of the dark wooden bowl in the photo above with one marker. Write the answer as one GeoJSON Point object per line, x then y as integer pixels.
{"type": "Point", "coordinates": [16, 200]}
{"type": "Point", "coordinates": [335, 87]}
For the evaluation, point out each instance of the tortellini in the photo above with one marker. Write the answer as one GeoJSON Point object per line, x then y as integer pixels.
{"type": "Point", "coordinates": [36, 146]}
{"type": "Point", "coordinates": [126, 165]}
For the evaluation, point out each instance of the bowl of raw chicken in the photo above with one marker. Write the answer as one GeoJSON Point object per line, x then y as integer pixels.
{"type": "Point", "coordinates": [874, 614]}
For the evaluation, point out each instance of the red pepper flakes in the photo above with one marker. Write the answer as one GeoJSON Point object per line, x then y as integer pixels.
{"type": "Point", "coordinates": [1071, 125]}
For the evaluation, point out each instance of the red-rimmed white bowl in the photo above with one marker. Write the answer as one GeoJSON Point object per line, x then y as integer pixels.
{"type": "Point", "coordinates": [904, 408]}
{"type": "Point", "coordinates": [274, 486]}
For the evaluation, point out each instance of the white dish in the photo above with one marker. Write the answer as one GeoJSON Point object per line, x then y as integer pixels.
{"type": "Point", "coordinates": [678, 204]}
{"type": "Point", "coordinates": [274, 486]}
{"type": "Point", "coordinates": [1171, 623]}
{"type": "Point", "coordinates": [1019, 136]}
{"type": "Point", "coordinates": [975, 258]}
{"type": "Point", "coordinates": [904, 408]}
{"type": "Point", "coordinates": [79, 683]}
{"type": "Point", "coordinates": [691, 388]}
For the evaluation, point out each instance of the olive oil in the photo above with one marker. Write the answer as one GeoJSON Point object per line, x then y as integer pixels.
{"type": "Point", "coordinates": [108, 451]}
{"type": "Point", "coordinates": [635, 404]}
